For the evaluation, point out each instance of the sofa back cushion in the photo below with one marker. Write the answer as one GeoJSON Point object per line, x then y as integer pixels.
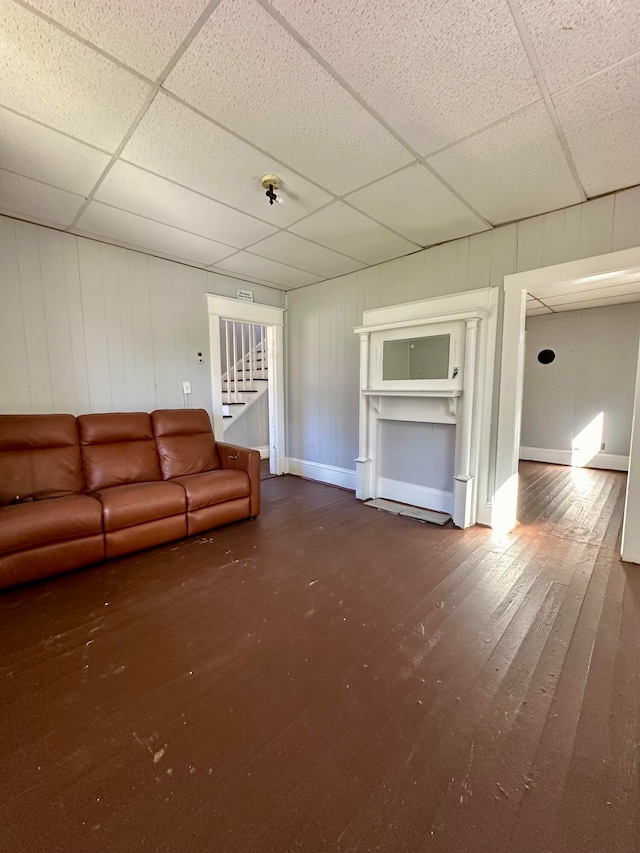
{"type": "Point", "coordinates": [185, 442]}
{"type": "Point", "coordinates": [39, 456]}
{"type": "Point", "coordinates": [118, 448]}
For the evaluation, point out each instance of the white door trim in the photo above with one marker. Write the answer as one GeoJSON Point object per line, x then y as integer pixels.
{"type": "Point", "coordinates": [224, 308]}
{"type": "Point", "coordinates": [574, 276]}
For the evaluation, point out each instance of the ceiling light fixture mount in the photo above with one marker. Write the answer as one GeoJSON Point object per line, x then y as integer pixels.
{"type": "Point", "coordinates": [271, 183]}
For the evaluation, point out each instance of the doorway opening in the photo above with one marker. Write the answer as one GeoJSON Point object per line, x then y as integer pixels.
{"type": "Point", "coordinates": [604, 279]}
{"type": "Point", "coordinates": [244, 337]}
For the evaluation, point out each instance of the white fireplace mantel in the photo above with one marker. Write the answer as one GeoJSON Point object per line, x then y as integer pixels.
{"type": "Point", "coordinates": [478, 310]}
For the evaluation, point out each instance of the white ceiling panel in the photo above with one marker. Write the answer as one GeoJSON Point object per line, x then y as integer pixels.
{"type": "Point", "coordinates": [596, 303]}
{"type": "Point", "coordinates": [140, 192]}
{"type": "Point", "coordinates": [632, 288]}
{"type": "Point", "coordinates": [267, 271]}
{"type": "Point", "coordinates": [513, 170]}
{"type": "Point", "coordinates": [304, 255]}
{"type": "Point", "coordinates": [46, 155]}
{"type": "Point", "coordinates": [575, 39]}
{"type": "Point", "coordinates": [417, 205]}
{"type": "Point", "coordinates": [435, 71]}
{"type": "Point", "coordinates": [49, 76]}
{"type": "Point", "coordinates": [600, 118]}
{"type": "Point", "coordinates": [342, 228]}
{"type": "Point", "coordinates": [38, 202]}
{"type": "Point", "coordinates": [142, 35]}
{"type": "Point", "coordinates": [248, 73]}
{"type": "Point", "coordinates": [110, 223]}
{"type": "Point", "coordinates": [181, 145]}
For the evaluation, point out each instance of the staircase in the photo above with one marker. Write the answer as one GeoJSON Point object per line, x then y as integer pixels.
{"type": "Point", "coordinates": [245, 380]}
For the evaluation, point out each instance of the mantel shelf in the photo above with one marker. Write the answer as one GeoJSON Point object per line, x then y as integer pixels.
{"type": "Point", "coordinates": [387, 392]}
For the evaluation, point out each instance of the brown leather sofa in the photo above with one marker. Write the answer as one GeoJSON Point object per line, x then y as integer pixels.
{"type": "Point", "coordinates": [74, 491]}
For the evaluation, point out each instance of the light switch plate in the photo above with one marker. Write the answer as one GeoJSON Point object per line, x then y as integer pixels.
{"type": "Point", "coordinates": [186, 387]}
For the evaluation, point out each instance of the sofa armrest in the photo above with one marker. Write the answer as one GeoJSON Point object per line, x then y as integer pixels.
{"type": "Point", "coordinates": [243, 459]}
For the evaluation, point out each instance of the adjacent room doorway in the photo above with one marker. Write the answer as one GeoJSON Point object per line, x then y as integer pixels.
{"type": "Point", "coordinates": [272, 319]}
{"type": "Point", "coordinates": [614, 277]}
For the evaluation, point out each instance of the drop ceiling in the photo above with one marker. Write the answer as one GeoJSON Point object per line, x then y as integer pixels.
{"type": "Point", "coordinates": [393, 126]}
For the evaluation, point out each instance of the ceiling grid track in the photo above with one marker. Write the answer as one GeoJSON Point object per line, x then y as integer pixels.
{"type": "Point", "coordinates": [155, 88]}
{"type": "Point", "coordinates": [523, 32]}
{"type": "Point", "coordinates": [153, 199]}
{"type": "Point", "coordinates": [373, 113]}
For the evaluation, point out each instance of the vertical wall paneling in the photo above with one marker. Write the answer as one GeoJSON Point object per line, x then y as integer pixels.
{"type": "Point", "coordinates": [168, 389]}
{"type": "Point", "coordinates": [35, 325]}
{"type": "Point", "coordinates": [14, 376]}
{"type": "Point", "coordinates": [594, 371]}
{"type": "Point", "coordinates": [626, 219]}
{"type": "Point", "coordinates": [76, 324]}
{"type": "Point", "coordinates": [56, 316]}
{"type": "Point", "coordinates": [111, 272]}
{"type": "Point", "coordinates": [123, 284]}
{"type": "Point", "coordinates": [198, 340]}
{"type": "Point", "coordinates": [86, 326]}
{"type": "Point", "coordinates": [95, 326]}
{"type": "Point", "coordinates": [329, 407]}
{"type": "Point", "coordinates": [143, 364]}
{"type": "Point", "coordinates": [596, 230]}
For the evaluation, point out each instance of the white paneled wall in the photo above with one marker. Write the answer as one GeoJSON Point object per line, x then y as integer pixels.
{"type": "Point", "coordinates": [89, 327]}
{"type": "Point", "coordinates": [594, 371]}
{"type": "Point", "coordinates": [252, 428]}
{"type": "Point", "coordinates": [322, 355]}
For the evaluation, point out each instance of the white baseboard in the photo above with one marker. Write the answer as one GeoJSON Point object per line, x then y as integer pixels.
{"type": "Point", "coordinates": [264, 451]}
{"type": "Point", "coordinates": [608, 461]}
{"type": "Point", "coordinates": [409, 493]}
{"type": "Point", "coordinates": [323, 473]}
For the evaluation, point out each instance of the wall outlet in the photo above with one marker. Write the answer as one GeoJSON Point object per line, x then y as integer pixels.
{"type": "Point", "coordinates": [186, 387]}
{"type": "Point", "coordinates": [200, 358]}
{"type": "Point", "coordinates": [602, 446]}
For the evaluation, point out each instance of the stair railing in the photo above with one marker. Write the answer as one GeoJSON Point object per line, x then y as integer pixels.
{"type": "Point", "coordinates": [245, 351]}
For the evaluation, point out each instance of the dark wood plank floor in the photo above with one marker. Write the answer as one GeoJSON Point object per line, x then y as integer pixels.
{"type": "Point", "coordinates": [331, 678]}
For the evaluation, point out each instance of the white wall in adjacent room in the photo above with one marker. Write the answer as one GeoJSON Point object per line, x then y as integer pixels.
{"type": "Point", "coordinates": [594, 371]}
{"type": "Point", "coordinates": [252, 428]}
{"type": "Point", "coordinates": [90, 327]}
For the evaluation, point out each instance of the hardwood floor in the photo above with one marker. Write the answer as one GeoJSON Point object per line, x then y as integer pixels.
{"type": "Point", "coordinates": [332, 678]}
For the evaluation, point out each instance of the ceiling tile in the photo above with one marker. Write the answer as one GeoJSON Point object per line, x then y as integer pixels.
{"type": "Point", "coordinates": [435, 71]}
{"type": "Point", "coordinates": [140, 192]}
{"type": "Point", "coordinates": [267, 271]}
{"type": "Point", "coordinates": [253, 77]}
{"type": "Point", "coordinates": [596, 293]}
{"type": "Point", "coordinates": [98, 220]}
{"type": "Point", "coordinates": [181, 145]}
{"type": "Point", "coordinates": [38, 202]}
{"type": "Point", "coordinates": [142, 35]}
{"type": "Point", "coordinates": [574, 39]}
{"type": "Point", "coordinates": [342, 228]}
{"type": "Point", "coordinates": [304, 255]}
{"type": "Point", "coordinates": [417, 205]}
{"type": "Point", "coordinates": [49, 76]}
{"type": "Point", "coordinates": [513, 170]}
{"type": "Point", "coordinates": [600, 120]}
{"type": "Point", "coordinates": [46, 155]}
{"type": "Point", "coordinates": [597, 303]}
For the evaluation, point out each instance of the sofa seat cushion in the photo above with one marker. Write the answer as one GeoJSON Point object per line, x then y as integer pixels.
{"type": "Point", "coordinates": [138, 503]}
{"type": "Point", "coordinates": [37, 523]}
{"type": "Point", "coordinates": [213, 487]}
